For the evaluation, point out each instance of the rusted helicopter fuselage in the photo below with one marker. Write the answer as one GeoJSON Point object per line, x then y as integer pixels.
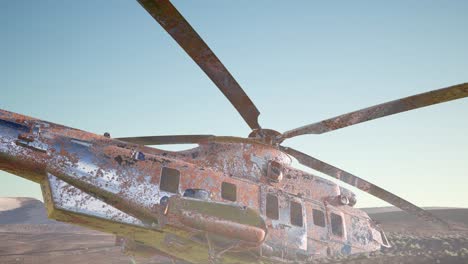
{"type": "Point", "coordinates": [230, 194]}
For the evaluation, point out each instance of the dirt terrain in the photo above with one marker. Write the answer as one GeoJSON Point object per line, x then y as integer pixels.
{"type": "Point", "coordinates": [28, 237]}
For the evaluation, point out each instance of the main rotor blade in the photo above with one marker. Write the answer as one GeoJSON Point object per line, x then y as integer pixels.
{"type": "Point", "coordinates": [381, 110]}
{"type": "Point", "coordinates": [362, 184]}
{"type": "Point", "coordinates": [172, 139]}
{"type": "Point", "coordinates": [176, 25]}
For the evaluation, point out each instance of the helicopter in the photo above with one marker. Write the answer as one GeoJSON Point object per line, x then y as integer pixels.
{"type": "Point", "coordinates": [229, 200]}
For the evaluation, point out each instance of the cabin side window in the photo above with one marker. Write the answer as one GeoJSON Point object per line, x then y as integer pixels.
{"type": "Point", "coordinates": [319, 217]}
{"type": "Point", "coordinates": [296, 213]}
{"type": "Point", "coordinates": [272, 210]}
{"type": "Point", "coordinates": [229, 191]}
{"type": "Point", "coordinates": [169, 180]}
{"type": "Point", "coordinates": [336, 224]}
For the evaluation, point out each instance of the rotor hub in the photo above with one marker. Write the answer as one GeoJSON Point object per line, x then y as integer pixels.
{"type": "Point", "coordinates": [267, 136]}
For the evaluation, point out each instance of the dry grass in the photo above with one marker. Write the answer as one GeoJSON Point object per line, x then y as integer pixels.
{"type": "Point", "coordinates": [414, 249]}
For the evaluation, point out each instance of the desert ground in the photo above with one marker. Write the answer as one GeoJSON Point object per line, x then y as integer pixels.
{"type": "Point", "coordinates": [28, 237]}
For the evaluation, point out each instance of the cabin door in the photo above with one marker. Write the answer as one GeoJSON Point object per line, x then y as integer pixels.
{"type": "Point", "coordinates": [337, 231]}
{"type": "Point", "coordinates": [317, 229]}
{"type": "Point", "coordinates": [286, 219]}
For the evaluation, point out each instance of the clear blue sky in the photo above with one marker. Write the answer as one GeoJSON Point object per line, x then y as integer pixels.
{"type": "Point", "coordinates": [108, 66]}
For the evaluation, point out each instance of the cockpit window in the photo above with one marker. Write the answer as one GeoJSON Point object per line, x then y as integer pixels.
{"type": "Point", "coordinates": [272, 211]}
{"type": "Point", "coordinates": [336, 224]}
{"type": "Point", "coordinates": [319, 217]}
{"type": "Point", "coordinates": [169, 180]}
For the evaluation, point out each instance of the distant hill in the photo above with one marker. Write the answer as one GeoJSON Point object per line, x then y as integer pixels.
{"type": "Point", "coordinates": [387, 209]}
{"type": "Point", "coordinates": [393, 219]}
{"type": "Point", "coordinates": [23, 211]}
{"type": "Point", "coordinates": [8, 203]}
